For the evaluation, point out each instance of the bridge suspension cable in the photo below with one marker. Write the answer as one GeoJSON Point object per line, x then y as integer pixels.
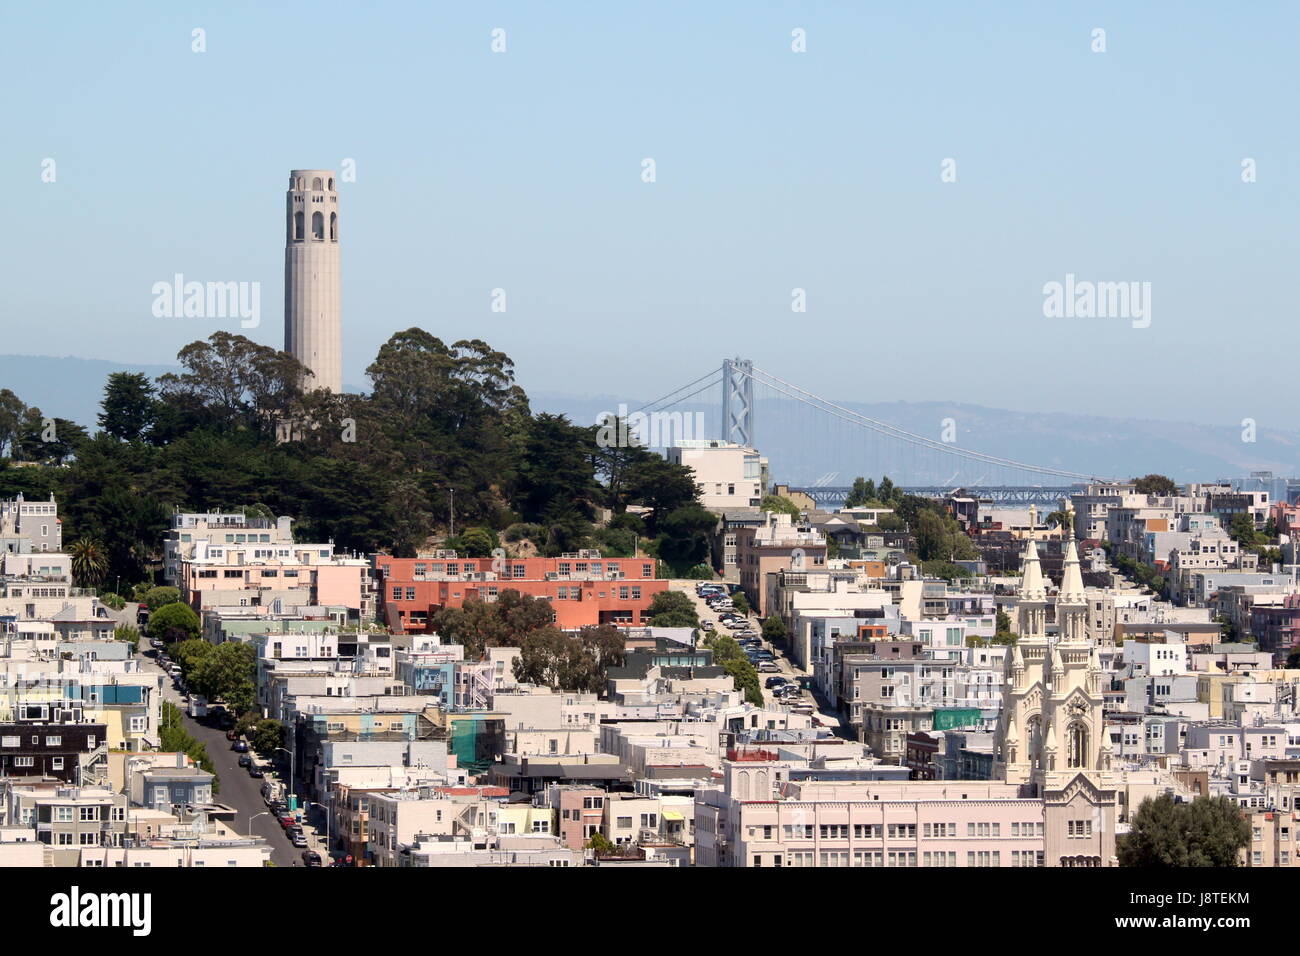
{"type": "Point", "coordinates": [714, 374]}
{"type": "Point", "coordinates": [790, 390]}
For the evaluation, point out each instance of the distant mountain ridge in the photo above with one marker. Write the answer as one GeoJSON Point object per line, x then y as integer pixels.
{"type": "Point", "coordinates": [804, 446]}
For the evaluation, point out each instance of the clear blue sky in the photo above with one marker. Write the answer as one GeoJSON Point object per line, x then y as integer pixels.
{"type": "Point", "coordinates": [775, 170]}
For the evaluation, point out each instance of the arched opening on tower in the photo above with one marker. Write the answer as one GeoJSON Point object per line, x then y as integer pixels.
{"type": "Point", "coordinates": [334, 227]}
{"type": "Point", "coordinates": [316, 184]}
{"type": "Point", "coordinates": [297, 226]}
{"type": "Point", "coordinates": [1034, 730]}
{"type": "Point", "coordinates": [317, 226]}
{"type": "Point", "coordinates": [1078, 747]}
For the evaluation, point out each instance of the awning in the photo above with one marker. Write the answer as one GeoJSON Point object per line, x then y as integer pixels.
{"type": "Point", "coordinates": [672, 815]}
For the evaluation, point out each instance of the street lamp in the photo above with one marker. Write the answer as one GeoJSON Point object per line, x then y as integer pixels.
{"type": "Point", "coordinates": [264, 813]}
{"type": "Point", "coordinates": [313, 803]}
{"type": "Point", "coordinates": [292, 788]}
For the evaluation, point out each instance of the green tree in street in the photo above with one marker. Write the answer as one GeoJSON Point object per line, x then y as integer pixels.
{"type": "Point", "coordinates": [774, 629]}
{"type": "Point", "coordinates": [1209, 831]}
{"type": "Point", "coordinates": [226, 672]}
{"type": "Point", "coordinates": [161, 596]}
{"type": "Point", "coordinates": [577, 662]}
{"type": "Point", "coordinates": [174, 622]}
{"type": "Point", "coordinates": [728, 655]}
{"type": "Point", "coordinates": [267, 735]}
{"type": "Point", "coordinates": [673, 609]}
{"type": "Point", "coordinates": [478, 625]}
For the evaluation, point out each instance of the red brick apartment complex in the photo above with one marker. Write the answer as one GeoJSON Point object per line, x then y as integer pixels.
{"type": "Point", "coordinates": [583, 588]}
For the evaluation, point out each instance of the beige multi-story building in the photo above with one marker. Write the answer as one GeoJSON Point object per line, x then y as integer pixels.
{"type": "Point", "coordinates": [258, 574]}
{"type": "Point", "coordinates": [1274, 838]}
{"type": "Point", "coordinates": [776, 545]}
{"type": "Point", "coordinates": [728, 475]}
{"type": "Point", "coordinates": [759, 817]}
{"type": "Point", "coordinates": [231, 529]}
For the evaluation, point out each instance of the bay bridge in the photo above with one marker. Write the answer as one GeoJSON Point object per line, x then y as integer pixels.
{"type": "Point", "coordinates": [818, 446]}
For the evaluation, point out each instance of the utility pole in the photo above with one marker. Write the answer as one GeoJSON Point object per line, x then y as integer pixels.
{"type": "Point", "coordinates": [451, 514]}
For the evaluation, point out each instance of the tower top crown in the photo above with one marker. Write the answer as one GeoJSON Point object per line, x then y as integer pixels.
{"type": "Point", "coordinates": [313, 180]}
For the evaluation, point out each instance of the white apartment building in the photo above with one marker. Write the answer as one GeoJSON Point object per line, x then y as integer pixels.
{"type": "Point", "coordinates": [728, 475]}
{"type": "Point", "coordinates": [220, 528]}
{"type": "Point", "coordinates": [30, 526]}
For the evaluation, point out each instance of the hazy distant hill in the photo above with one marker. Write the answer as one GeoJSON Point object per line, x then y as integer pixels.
{"type": "Point", "coordinates": [803, 445]}
{"type": "Point", "coordinates": [65, 387]}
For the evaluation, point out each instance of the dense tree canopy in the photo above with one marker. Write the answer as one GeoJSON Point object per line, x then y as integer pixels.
{"type": "Point", "coordinates": [1209, 831]}
{"type": "Point", "coordinates": [673, 609]}
{"type": "Point", "coordinates": [1155, 485]}
{"type": "Point", "coordinates": [444, 436]}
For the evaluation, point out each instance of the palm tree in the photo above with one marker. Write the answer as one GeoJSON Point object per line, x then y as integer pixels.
{"type": "Point", "coordinates": [89, 561]}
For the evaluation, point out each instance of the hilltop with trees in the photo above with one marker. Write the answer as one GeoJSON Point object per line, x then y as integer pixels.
{"type": "Point", "coordinates": [444, 433]}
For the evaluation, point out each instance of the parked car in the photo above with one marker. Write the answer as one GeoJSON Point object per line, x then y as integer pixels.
{"type": "Point", "coordinates": [245, 760]}
{"type": "Point", "coordinates": [240, 746]}
{"type": "Point", "coordinates": [231, 735]}
{"type": "Point", "coordinates": [769, 667]}
{"type": "Point", "coordinates": [310, 858]}
{"type": "Point", "coordinates": [708, 626]}
{"type": "Point", "coordinates": [288, 820]}
{"type": "Point", "coordinates": [279, 808]}
{"type": "Point", "coordinates": [299, 839]}
{"type": "Point", "coordinates": [256, 772]}
{"type": "Point", "coordinates": [766, 655]}
{"type": "Point", "coordinates": [775, 682]}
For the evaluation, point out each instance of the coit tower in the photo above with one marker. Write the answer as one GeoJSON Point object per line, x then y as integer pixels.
{"type": "Point", "coordinates": [313, 322]}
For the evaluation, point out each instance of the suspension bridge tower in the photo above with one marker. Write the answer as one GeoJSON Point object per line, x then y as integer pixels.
{"type": "Point", "coordinates": [738, 401]}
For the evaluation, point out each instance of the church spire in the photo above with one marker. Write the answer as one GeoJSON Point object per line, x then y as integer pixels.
{"type": "Point", "coordinates": [1031, 574]}
{"type": "Point", "coordinates": [1072, 578]}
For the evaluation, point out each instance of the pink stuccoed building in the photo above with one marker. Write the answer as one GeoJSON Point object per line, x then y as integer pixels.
{"type": "Point", "coordinates": [258, 575]}
{"type": "Point", "coordinates": [757, 816]}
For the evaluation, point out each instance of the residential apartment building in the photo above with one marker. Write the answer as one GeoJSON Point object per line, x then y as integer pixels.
{"type": "Point", "coordinates": [266, 574]}
{"type": "Point", "coordinates": [758, 817]}
{"type": "Point", "coordinates": [728, 475]}
{"type": "Point", "coordinates": [778, 544]}
{"type": "Point", "coordinates": [584, 588]}
{"type": "Point", "coordinates": [30, 526]}
{"type": "Point", "coordinates": [222, 529]}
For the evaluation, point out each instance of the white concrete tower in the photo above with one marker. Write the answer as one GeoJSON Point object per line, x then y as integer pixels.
{"type": "Point", "coordinates": [313, 315]}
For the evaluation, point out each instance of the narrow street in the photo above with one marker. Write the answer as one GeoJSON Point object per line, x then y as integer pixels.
{"type": "Point", "coordinates": [238, 790]}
